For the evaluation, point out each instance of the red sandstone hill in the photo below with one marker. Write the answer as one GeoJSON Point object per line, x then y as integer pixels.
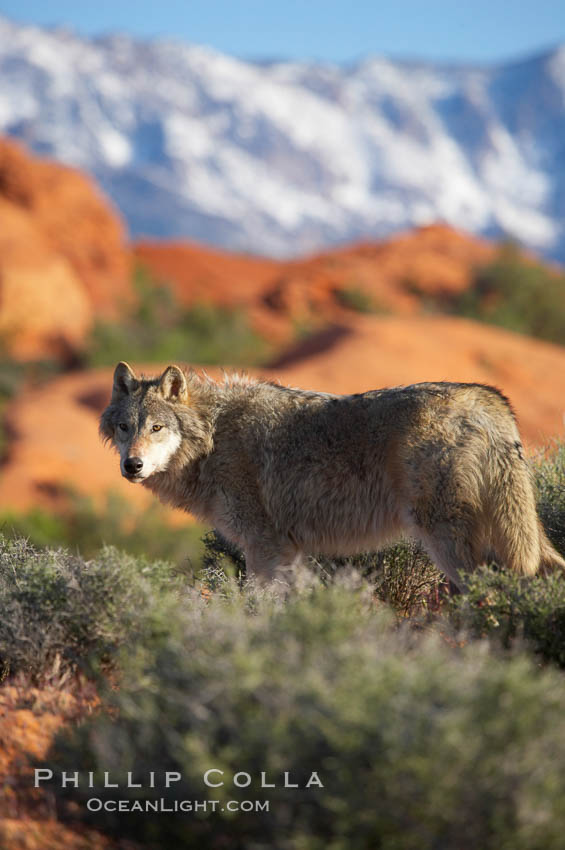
{"type": "Point", "coordinates": [63, 255]}
{"type": "Point", "coordinates": [392, 276]}
{"type": "Point", "coordinates": [64, 261]}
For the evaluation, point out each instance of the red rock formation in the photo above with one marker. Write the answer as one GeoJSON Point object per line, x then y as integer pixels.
{"type": "Point", "coordinates": [197, 273]}
{"type": "Point", "coordinates": [395, 275]}
{"type": "Point", "coordinates": [63, 256]}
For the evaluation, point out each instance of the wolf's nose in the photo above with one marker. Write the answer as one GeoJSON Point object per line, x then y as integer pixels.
{"type": "Point", "coordinates": [133, 465]}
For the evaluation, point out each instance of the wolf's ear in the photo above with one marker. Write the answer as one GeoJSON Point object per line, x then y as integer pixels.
{"type": "Point", "coordinates": [124, 380]}
{"type": "Point", "coordinates": [173, 384]}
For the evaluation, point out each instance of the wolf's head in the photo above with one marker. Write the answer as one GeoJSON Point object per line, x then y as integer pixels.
{"type": "Point", "coordinates": [145, 418]}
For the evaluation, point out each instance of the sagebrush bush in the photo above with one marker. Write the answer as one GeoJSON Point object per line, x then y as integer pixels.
{"type": "Point", "coordinates": [357, 299]}
{"type": "Point", "coordinates": [61, 613]}
{"type": "Point", "coordinates": [14, 375]}
{"type": "Point", "coordinates": [221, 558]}
{"type": "Point", "coordinates": [516, 293]}
{"type": "Point", "coordinates": [401, 575]}
{"type": "Point", "coordinates": [80, 524]}
{"type": "Point", "coordinates": [549, 471]}
{"type": "Point", "coordinates": [159, 329]}
{"type": "Point", "coordinates": [506, 606]}
{"type": "Point", "coordinates": [418, 743]}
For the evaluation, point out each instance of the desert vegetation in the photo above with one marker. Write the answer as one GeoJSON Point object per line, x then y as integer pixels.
{"type": "Point", "coordinates": [354, 297]}
{"type": "Point", "coordinates": [510, 289]}
{"type": "Point", "coordinates": [82, 526]}
{"type": "Point", "coordinates": [517, 293]}
{"type": "Point", "coordinates": [158, 329]}
{"type": "Point", "coordinates": [430, 719]}
{"type": "Point", "coordinates": [420, 735]}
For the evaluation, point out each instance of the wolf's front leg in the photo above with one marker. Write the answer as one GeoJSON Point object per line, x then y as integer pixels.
{"type": "Point", "coordinates": [269, 561]}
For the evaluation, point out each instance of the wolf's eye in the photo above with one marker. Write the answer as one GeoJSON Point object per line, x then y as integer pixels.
{"type": "Point", "coordinates": [122, 426]}
{"type": "Point", "coordinates": [156, 427]}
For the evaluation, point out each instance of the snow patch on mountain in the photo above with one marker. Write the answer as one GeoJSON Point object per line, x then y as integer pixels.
{"type": "Point", "coordinates": [286, 157]}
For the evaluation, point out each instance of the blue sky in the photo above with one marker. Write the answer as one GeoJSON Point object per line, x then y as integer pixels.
{"type": "Point", "coordinates": [334, 30]}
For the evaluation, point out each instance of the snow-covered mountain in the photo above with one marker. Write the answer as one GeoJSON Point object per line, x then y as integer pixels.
{"type": "Point", "coordinates": [286, 157]}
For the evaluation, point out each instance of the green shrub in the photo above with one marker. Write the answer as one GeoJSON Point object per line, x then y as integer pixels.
{"type": "Point", "coordinates": [517, 294]}
{"type": "Point", "coordinates": [221, 559]}
{"type": "Point", "coordinates": [83, 527]}
{"type": "Point", "coordinates": [417, 744]}
{"type": "Point", "coordinates": [401, 575]}
{"type": "Point", "coordinates": [13, 376]}
{"type": "Point", "coordinates": [160, 330]}
{"type": "Point", "coordinates": [357, 299]}
{"type": "Point", "coordinates": [61, 613]}
{"type": "Point", "coordinates": [506, 606]}
{"type": "Point", "coordinates": [549, 471]}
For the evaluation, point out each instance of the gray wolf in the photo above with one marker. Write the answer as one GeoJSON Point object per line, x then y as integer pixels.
{"type": "Point", "coordinates": [285, 472]}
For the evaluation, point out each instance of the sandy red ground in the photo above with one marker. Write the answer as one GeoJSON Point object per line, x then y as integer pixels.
{"type": "Point", "coordinates": [29, 720]}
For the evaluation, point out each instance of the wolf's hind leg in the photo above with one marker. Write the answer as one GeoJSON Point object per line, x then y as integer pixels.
{"type": "Point", "coordinates": [453, 548]}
